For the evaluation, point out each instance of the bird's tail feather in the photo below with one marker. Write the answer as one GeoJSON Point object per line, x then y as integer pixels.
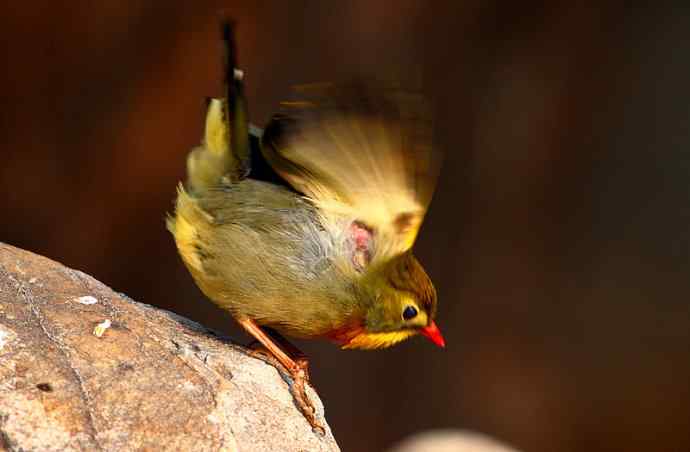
{"type": "Point", "coordinates": [225, 149]}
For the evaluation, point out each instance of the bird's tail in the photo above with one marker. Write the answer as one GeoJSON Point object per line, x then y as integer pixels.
{"type": "Point", "coordinates": [224, 151]}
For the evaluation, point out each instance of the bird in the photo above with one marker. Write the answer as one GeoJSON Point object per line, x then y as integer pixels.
{"type": "Point", "coordinates": [305, 228]}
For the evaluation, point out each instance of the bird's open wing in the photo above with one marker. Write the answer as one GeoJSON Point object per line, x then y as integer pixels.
{"type": "Point", "coordinates": [361, 151]}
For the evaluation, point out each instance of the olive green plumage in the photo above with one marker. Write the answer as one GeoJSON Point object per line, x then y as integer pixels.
{"type": "Point", "coordinates": [257, 250]}
{"type": "Point", "coordinates": [326, 259]}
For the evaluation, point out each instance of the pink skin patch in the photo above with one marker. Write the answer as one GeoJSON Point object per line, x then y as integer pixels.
{"type": "Point", "coordinates": [360, 238]}
{"type": "Point", "coordinates": [360, 234]}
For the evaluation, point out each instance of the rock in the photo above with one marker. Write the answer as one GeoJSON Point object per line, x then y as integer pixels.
{"type": "Point", "coordinates": [85, 368]}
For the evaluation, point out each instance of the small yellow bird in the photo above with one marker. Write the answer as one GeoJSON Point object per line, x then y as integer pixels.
{"type": "Point", "coordinates": [310, 235]}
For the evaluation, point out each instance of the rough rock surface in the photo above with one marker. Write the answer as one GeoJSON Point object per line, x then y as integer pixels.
{"type": "Point", "coordinates": [151, 381]}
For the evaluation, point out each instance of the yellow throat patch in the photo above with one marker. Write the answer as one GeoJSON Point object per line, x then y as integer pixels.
{"type": "Point", "coordinates": [378, 340]}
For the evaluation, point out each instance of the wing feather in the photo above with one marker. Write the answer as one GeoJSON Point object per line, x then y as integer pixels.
{"type": "Point", "coordinates": [362, 151]}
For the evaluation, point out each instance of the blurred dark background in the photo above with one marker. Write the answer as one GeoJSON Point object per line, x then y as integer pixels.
{"type": "Point", "coordinates": [558, 237]}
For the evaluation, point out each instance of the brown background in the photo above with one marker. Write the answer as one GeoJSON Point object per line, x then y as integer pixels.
{"type": "Point", "coordinates": [558, 237]}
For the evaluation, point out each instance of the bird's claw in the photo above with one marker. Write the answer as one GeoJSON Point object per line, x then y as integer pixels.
{"type": "Point", "coordinates": [300, 377]}
{"type": "Point", "coordinates": [299, 394]}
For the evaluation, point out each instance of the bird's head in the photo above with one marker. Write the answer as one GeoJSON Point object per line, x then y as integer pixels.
{"type": "Point", "coordinates": [403, 304]}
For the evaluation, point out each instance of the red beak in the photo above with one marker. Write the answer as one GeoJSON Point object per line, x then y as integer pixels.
{"type": "Point", "coordinates": [434, 334]}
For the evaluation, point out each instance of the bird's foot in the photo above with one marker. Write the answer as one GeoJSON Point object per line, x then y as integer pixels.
{"type": "Point", "coordinates": [299, 374]}
{"type": "Point", "coordinates": [300, 379]}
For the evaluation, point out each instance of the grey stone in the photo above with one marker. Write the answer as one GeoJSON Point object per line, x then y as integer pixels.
{"type": "Point", "coordinates": [113, 374]}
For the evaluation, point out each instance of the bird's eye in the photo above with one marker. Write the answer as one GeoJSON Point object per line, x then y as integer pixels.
{"type": "Point", "coordinates": [409, 312]}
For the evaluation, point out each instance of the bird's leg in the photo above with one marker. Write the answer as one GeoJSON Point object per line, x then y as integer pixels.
{"type": "Point", "coordinates": [298, 371]}
{"type": "Point", "coordinates": [292, 351]}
